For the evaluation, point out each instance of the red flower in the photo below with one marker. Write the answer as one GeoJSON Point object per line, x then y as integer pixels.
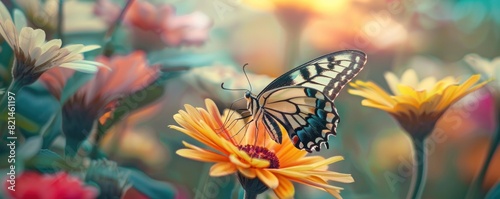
{"type": "Point", "coordinates": [31, 185]}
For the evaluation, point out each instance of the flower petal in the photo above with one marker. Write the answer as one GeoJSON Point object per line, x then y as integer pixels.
{"type": "Point", "coordinates": [267, 178]}
{"type": "Point", "coordinates": [285, 188]}
{"type": "Point", "coordinates": [222, 169]}
{"type": "Point", "coordinates": [204, 156]}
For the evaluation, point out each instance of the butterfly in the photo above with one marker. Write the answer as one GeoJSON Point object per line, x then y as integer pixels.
{"type": "Point", "coordinates": [301, 100]}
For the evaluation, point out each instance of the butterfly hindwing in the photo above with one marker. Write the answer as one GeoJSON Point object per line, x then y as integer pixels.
{"type": "Point", "coordinates": [307, 114]}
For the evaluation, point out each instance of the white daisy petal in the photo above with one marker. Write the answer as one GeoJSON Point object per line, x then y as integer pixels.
{"type": "Point", "coordinates": [46, 55]}
{"type": "Point", "coordinates": [4, 13]}
{"type": "Point", "coordinates": [82, 67]}
{"type": "Point", "coordinates": [32, 51]}
{"type": "Point", "coordinates": [51, 43]}
{"type": "Point", "coordinates": [25, 40]}
{"type": "Point", "coordinates": [74, 47]}
{"type": "Point", "coordinates": [89, 48]}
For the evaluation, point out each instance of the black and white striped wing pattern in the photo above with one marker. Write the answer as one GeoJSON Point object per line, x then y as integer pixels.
{"type": "Point", "coordinates": [301, 100]}
{"type": "Point", "coordinates": [328, 73]}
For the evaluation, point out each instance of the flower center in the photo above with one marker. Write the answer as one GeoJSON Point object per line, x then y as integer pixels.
{"type": "Point", "coordinates": [261, 153]}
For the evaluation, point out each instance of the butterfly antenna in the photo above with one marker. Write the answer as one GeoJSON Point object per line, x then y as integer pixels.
{"type": "Point", "coordinates": [248, 80]}
{"type": "Point", "coordinates": [231, 89]}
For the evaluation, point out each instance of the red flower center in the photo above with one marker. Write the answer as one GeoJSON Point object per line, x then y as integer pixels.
{"type": "Point", "coordinates": [261, 153]}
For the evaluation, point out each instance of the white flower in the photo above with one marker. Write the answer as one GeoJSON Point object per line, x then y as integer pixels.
{"type": "Point", "coordinates": [490, 69]}
{"type": "Point", "coordinates": [33, 55]}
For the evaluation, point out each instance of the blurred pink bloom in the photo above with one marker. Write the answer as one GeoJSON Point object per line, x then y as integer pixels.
{"type": "Point", "coordinates": [153, 27]}
{"type": "Point", "coordinates": [127, 74]}
{"type": "Point", "coordinates": [42, 186]}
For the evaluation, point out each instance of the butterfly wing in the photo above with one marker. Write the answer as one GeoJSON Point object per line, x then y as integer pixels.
{"type": "Point", "coordinates": [301, 100]}
{"type": "Point", "coordinates": [307, 114]}
{"type": "Point", "coordinates": [328, 73]}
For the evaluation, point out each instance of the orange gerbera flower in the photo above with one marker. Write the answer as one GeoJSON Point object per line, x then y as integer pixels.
{"type": "Point", "coordinates": [259, 162]}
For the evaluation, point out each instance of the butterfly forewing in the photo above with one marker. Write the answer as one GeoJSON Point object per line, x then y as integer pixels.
{"type": "Point", "coordinates": [328, 73]}
{"type": "Point", "coordinates": [301, 100]}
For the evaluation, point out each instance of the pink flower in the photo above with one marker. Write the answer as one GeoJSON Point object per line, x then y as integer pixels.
{"type": "Point", "coordinates": [154, 27]}
{"type": "Point", "coordinates": [43, 186]}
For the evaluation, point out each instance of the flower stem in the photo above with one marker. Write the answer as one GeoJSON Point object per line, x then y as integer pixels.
{"type": "Point", "coordinates": [108, 48]}
{"type": "Point", "coordinates": [14, 87]}
{"type": "Point", "coordinates": [250, 195]}
{"type": "Point", "coordinates": [419, 169]}
{"type": "Point", "coordinates": [475, 187]}
{"type": "Point", "coordinates": [60, 22]}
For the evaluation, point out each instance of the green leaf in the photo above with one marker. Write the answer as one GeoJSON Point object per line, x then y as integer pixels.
{"type": "Point", "coordinates": [148, 186]}
{"type": "Point", "coordinates": [51, 129]}
{"type": "Point", "coordinates": [73, 84]}
{"type": "Point", "coordinates": [47, 161]}
{"type": "Point", "coordinates": [30, 147]}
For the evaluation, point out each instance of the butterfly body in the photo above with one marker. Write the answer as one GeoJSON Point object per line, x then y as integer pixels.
{"type": "Point", "coordinates": [301, 100]}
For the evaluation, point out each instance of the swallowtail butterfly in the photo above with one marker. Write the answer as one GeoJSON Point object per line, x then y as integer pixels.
{"type": "Point", "coordinates": [301, 100]}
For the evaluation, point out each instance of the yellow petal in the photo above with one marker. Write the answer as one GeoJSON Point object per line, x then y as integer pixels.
{"type": "Point", "coordinates": [235, 160]}
{"type": "Point", "coordinates": [285, 188]}
{"type": "Point", "coordinates": [204, 156]}
{"type": "Point", "coordinates": [316, 164]}
{"type": "Point", "coordinates": [222, 169]}
{"type": "Point", "coordinates": [267, 178]}
{"type": "Point", "coordinates": [247, 172]}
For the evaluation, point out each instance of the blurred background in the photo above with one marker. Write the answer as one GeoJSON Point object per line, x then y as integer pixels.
{"type": "Point", "coordinates": [213, 39]}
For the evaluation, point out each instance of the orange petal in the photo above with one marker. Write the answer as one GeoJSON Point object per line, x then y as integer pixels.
{"type": "Point", "coordinates": [267, 178]}
{"type": "Point", "coordinates": [285, 188]}
{"type": "Point", "coordinates": [316, 164]}
{"type": "Point", "coordinates": [222, 169]}
{"type": "Point", "coordinates": [204, 156]}
{"type": "Point", "coordinates": [235, 160]}
{"type": "Point", "coordinates": [247, 172]}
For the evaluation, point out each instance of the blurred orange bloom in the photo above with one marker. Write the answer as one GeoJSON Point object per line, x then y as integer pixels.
{"type": "Point", "coordinates": [294, 14]}
{"type": "Point", "coordinates": [259, 162]}
{"type": "Point", "coordinates": [153, 27]}
{"type": "Point", "coordinates": [127, 74]}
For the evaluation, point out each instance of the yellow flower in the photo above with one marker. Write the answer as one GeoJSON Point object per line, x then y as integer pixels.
{"type": "Point", "coordinates": [258, 161]}
{"type": "Point", "coordinates": [417, 105]}
{"type": "Point", "coordinates": [33, 55]}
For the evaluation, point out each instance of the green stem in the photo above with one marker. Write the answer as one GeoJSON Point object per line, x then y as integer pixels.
{"type": "Point", "coordinates": [419, 169]}
{"type": "Point", "coordinates": [14, 87]}
{"type": "Point", "coordinates": [475, 187]}
{"type": "Point", "coordinates": [60, 22]}
{"type": "Point", "coordinates": [250, 195]}
{"type": "Point", "coordinates": [108, 37]}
